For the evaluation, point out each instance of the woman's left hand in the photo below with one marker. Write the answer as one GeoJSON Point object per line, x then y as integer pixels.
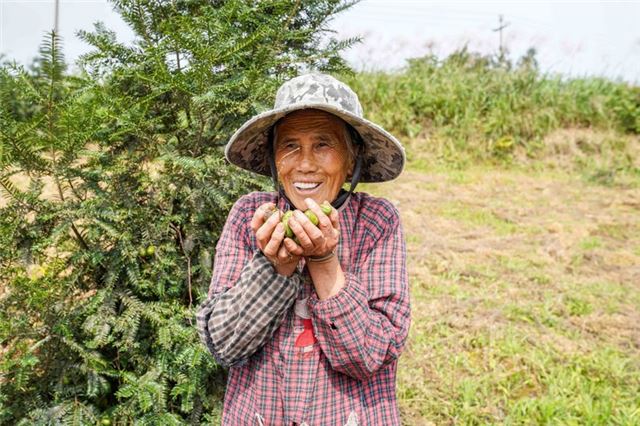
{"type": "Point", "coordinates": [314, 240]}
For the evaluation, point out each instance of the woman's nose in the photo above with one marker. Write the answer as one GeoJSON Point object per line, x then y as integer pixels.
{"type": "Point", "coordinates": [306, 160]}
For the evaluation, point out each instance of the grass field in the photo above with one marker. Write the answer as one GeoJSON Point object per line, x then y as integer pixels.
{"type": "Point", "coordinates": [525, 286]}
{"type": "Point", "coordinates": [525, 296]}
{"type": "Point", "coordinates": [520, 204]}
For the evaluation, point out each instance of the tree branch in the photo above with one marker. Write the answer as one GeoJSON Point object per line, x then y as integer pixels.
{"type": "Point", "coordinates": [188, 256]}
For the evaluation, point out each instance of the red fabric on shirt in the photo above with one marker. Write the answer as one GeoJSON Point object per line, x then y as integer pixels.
{"type": "Point", "coordinates": [306, 338]}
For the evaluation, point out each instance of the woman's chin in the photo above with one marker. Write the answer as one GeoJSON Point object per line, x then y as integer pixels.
{"type": "Point", "coordinates": [300, 203]}
{"type": "Point", "coordinates": [297, 196]}
{"type": "Point", "coordinates": [299, 200]}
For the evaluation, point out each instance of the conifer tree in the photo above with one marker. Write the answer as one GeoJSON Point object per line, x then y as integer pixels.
{"type": "Point", "coordinates": [115, 191]}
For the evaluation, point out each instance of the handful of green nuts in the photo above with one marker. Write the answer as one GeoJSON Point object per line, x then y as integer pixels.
{"type": "Point", "coordinates": [326, 209]}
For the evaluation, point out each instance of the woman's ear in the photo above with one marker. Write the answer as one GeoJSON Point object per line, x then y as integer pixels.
{"type": "Point", "coordinates": [350, 165]}
{"type": "Point", "coordinates": [352, 160]}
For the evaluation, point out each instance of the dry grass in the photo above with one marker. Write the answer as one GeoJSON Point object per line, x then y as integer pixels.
{"type": "Point", "coordinates": [525, 288]}
{"type": "Point", "coordinates": [525, 298]}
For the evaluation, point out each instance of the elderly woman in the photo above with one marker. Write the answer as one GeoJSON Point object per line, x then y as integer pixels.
{"type": "Point", "coordinates": [311, 326]}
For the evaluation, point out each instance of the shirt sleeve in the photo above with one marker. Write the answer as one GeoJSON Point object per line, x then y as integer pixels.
{"type": "Point", "coordinates": [247, 300]}
{"type": "Point", "coordinates": [365, 326]}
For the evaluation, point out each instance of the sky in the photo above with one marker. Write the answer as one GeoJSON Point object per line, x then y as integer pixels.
{"type": "Point", "coordinates": [572, 38]}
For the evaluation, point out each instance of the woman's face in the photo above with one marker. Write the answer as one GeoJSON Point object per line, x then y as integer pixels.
{"type": "Point", "coordinates": [312, 158]}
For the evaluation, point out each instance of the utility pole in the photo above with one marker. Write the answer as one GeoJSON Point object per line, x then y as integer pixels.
{"type": "Point", "coordinates": [55, 22]}
{"type": "Point", "coordinates": [501, 26]}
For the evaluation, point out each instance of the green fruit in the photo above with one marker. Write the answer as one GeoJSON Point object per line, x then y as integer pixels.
{"type": "Point", "coordinates": [105, 422]}
{"type": "Point", "coordinates": [142, 252]}
{"type": "Point", "coordinates": [285, 221]}
{"type": "Point", "coordinates": [326, 207]}
{"type": "Point", "coordinates": [288, 232]}
{"type": "Point", "coordinates": [312, 217]}
{"type": "Point", "coordinates": [151, 250]}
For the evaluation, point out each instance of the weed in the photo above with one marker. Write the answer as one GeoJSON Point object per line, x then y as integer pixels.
{"type": "Point", "coordinates": [590, 243]}
{"type": "Point", "coordinates": [578, 307]}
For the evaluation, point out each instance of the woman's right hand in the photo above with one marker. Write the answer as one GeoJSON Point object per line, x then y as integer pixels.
{"type": "Point", "coordinates": [269, 235]}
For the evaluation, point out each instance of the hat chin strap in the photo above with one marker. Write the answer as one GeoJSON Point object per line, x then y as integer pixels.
{"type": "Point", "coordinates": [343, 195]}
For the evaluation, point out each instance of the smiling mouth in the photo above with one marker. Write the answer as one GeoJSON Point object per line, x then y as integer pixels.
{"type": "Point", "coordinates": [306, 186]}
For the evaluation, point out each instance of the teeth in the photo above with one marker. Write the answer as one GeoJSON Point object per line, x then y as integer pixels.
{"type": "Point", "coordinates": [306, 185]}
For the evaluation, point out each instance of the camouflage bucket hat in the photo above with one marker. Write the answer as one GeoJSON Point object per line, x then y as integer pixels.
{"type": "Point", "coordinates": [383, 156]}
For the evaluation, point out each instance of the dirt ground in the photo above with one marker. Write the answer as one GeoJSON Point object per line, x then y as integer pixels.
{"type": "Point", "coordinates": [516, 274]}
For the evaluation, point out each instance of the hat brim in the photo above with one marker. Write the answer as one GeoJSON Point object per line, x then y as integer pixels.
{"type": "Point", "coordinates": [383, 155]}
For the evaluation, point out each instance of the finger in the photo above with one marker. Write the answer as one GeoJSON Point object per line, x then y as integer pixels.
{"type": "Point", "coordinates": [292, 247]}
{"type": "Point", "coordinates": [271, 248]}
{"type": "Point", "coordinates": [312, 232]}
{"type": "Point", "coordinates": [258, 217]}
{"type": "Point", "coordinates": [283, 255]}
{"type": "Point", "coordinates": [334, 217]}
{"type": "Point", "coordinates": [311, 204]}
{"type": "Point", "coordinates": [336, 234]}
{"type": "Point", "coordinates": [304, 240]}
{"type": "Point", "coordinates": [263, 234]}
{"type": "Point", "coordinates": [324, 223]}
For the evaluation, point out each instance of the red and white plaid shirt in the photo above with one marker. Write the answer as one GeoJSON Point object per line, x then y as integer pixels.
{"type": "Point", "coordinates": [298, 360]}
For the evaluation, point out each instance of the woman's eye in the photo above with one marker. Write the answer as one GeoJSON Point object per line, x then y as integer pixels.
{"type": "Point", "coordinates": [289, 146]}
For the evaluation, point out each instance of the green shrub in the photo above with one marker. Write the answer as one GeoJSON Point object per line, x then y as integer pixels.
{"type": "Point", "coordinates": [469, 105]}
{"type": "Point", "coordinates": [116, 191]}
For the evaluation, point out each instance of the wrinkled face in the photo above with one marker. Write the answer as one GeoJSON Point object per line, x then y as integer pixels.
{"type": "Point", "coordinates": [311, 155]}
